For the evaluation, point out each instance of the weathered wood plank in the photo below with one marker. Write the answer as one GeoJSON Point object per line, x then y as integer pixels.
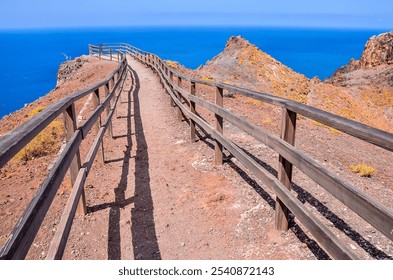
{"type": "Point", "coordinates": [97, 125]}
{"type": "Point", "coordinates": [219, 100]}
{"type": "Point", "coordinates": [170, 81]}
{"type": "Point", "coordinates": [193, 110]}
{"type": "Point", "coordinates": [59, 241]}
{"type": "Point", "coordinates": [288, 128]}
{"type": "Point", "coordinates": [106, 93]}
{"type": "Point", "coordinates": [179, 113]}
{"type": "Point", "coordinates": [70, 127]}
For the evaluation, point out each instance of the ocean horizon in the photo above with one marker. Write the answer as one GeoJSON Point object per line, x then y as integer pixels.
{"type": "Point", "coordinates": [30, 58]}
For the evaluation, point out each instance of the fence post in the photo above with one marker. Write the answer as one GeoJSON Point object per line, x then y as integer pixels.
{"type": "Point", "coordinates": [192, 108]}
{"type": "Point", "coordinates": [179, 97]}
{"type": "Point", "coordinates": [162, 74]}
{"type": "Point", "coordinates": [173, 104]}
{"type": "Point", "coordinates": [70, 127]}
{"type": "Point", "coordinates": [219, 100]}
{"type": "Point", "coordinates": [96, 103]}
{"type": "Point", "coordinates": [107, 110]}
{"type": "Point", "coordinates": [110, 51]}
{"type": "Point", "coordinates": [288, 129]}
{"type": "Point", "coordinates": [113, 82]}
{"type": "Point", "coordinates": [100, 51]}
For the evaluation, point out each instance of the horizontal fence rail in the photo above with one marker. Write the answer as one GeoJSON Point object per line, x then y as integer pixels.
{"type": "Point", "coordinates": [23, 234]}
{"type": "Point", "coordinates": [372, 211]}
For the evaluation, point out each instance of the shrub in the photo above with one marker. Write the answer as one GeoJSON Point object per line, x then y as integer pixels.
{"type": "Point", "coordinates": [46, 142]}
{"type": "Point", "coordinates": [363, 170]}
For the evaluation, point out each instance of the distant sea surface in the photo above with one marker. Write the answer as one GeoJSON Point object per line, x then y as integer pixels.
{"type": "Point", "coordinates": [30, 59]}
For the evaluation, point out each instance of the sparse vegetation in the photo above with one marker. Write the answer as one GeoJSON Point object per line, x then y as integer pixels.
{"type": "Point", "coordinates": [46, 142]}
{"type": "Point", "coordinates": [171, 64]}
{"type": "Point", "coordinates": [363, 170]}
{"type": "Point", "coordinates": [331, 129]}
{"type": "Point", "coordinates": [267, 121]}
{"type": "Point", "coordinates": [207, 78]}
{"type": "Point", "coordinates": [254, 101]}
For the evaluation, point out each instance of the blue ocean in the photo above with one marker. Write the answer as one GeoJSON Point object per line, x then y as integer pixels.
{"type": "Point", "coordinates": [30, 59]}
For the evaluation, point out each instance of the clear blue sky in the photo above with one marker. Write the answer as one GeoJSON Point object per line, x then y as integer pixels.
{"type": "Point", "coordinates": [294, 13]}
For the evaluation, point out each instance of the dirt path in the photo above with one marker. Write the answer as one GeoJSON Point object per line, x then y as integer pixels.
{"type": "Point", "coordinates": [158, 196]}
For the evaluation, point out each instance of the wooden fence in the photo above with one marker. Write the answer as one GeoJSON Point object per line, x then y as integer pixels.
{"type": "Point", "coordinates": [23, 234]}
{"type": "Point", "coordinates": [373, 212]}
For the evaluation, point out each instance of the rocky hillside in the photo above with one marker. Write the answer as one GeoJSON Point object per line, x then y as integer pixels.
{"type": "Point", "coordinates": [243, 64]}
{"type": "Point", "coordinates": [374, 68]}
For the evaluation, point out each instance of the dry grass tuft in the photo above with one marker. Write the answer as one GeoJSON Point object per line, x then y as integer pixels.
{"type": "Point", "coordinates": [46, 142]}
{"type": "Point", "coordinates": [363, 170]}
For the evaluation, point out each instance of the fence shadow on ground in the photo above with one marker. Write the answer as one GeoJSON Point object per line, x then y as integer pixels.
{"type": "Point", "coordinates": [144, 238]}
{"type": "Point", "coordinates": [304, 196]}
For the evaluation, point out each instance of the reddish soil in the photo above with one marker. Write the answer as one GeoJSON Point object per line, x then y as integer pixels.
{"type": "Point", "coordinates": [19, 180]}
{"type": "Point", "coordinates": [159, 196]}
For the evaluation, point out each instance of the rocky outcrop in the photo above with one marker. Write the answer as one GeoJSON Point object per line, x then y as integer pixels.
{"type": "Point", "coordinates": [244, 63]}
{"type": "Point", "coordinates": [374, 68]}
{"type": "Point", "coordinates": [69, 67]}
{"type": "Point", "coordinates": [378, 51]}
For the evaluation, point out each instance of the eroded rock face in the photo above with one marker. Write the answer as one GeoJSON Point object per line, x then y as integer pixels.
{"type": "Point", "coordinates": [374, 68]}
{"type": "Point", "coordinates": [378, 51]}
{"type": "Point", "coordinates": [69, 67]}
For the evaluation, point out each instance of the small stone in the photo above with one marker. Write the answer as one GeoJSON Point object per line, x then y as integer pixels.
{"type": "Point", "coordinates": [182, 244]}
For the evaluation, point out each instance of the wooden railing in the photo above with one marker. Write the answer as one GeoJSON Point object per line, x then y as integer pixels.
{"type": "Point", "coordinates": [112, 51]}
{"type": "Point", "coordinates": [363, 205]}
{"type": "Point", "coordinates": [23, 234]}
